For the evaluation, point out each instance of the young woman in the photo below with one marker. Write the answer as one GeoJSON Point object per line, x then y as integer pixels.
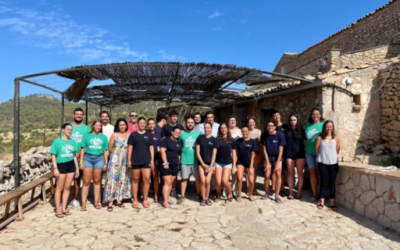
{"type": "Point", "coordinates": [255, 134]}
{"type": "Point", "coordinates": [63, 156]}
{"type": "Point", "coordinates": [140, 160]}
{"type": "Point", "coordinates": [93, 161]}
{"type": "Point", "coordinates": [246, 152]}
{"type": "Point", "coordinates": [118, 185]}
{"type": "Point", "coordinates": [225, 161]}
{"type": "Point", "coordinates": [273, 143]}
{"type": "Point", "coordinates": [205, 145]}
{"type": "Point", "coordinates": [313, 130]}
{"type": "Point", "coordinates": [295, 155]}
{"type": "Point", "coordinates": [171, 149]}
{"type": "Point", "coordinates": [233, 129]}
{"type": "Point", "coordinates": [327, 149]}
{"type": "Point", "coordinates": [151, 125]}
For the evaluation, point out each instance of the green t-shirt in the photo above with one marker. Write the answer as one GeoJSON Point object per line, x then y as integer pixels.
{"type": "Point", "coordinates": [78, 133]}
{"type": "Point", "coordinates": [188, 141]}
{"type": "Point", "coordinates": [94, 144]}
{"type": "Point", "coordinates": [312, 133]}
{"type": "Point", "coordinates": [64, 150]}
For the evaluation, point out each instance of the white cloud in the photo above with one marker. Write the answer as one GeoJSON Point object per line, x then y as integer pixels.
{"type": "Point", "coordinates": [165, 56]}
{"type": "Point", "coordinates": [215, 14]}
{"type": "Point", "coordinates": [218, 28]}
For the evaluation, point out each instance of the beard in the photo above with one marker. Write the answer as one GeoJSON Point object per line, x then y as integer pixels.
{"type": "Point", "coordinates": [78, 122]}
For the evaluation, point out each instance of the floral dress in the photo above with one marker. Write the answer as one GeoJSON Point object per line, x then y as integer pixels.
{"type": "Point", "coordinates": [118, 186]}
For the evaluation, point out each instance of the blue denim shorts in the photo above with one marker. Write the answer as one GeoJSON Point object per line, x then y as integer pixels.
{"type": "Point", "coordinates": [220, 165]}
{"type": "Point", "coordinates": [311, 161]}
{"type": "Point", "coordinates": [93, 161]}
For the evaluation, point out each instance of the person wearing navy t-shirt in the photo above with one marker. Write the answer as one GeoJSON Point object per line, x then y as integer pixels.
{"type": "Point", "coordinates": [205, 145]}
{"type": "Point", "coordinates": [140, 159]}
{"type": "Point", "coordinates": [273, 142]}
{"type": "Point", "coordinates": [171, 149]}
{"type": "Point", "coordinates": [246, 152]}
{"type": "Point", "coordinates": [225, 162]}
{"type": "Point", "coordinates": [151, 125]}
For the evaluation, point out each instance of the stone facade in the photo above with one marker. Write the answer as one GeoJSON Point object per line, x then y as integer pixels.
{"type": "Point", "coordinates": [372, 194]}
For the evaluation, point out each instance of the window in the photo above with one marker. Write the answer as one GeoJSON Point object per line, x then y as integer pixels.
{"type": "Point", "coordinates": [283, 70]}
{"type": "Point", "coordinates": [357, 99]}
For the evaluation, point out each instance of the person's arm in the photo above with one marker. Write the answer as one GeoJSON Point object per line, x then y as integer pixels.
{"type": "Point", "coordinates": [54, 161]}
{"type": "Point", "coordinates": [164, 157]}
{"type": "Point", "coordinates": [317, 145]}
{"type": "Point", "coordinates": [214, 155]}
{"type": "Point", "coordinates": [151, 155]}
{"type": "Point", "coordinates": [105, 160]}
{"type": "Point", "coordinates": [111, 143]}
{"type": "Point", "coordinates": [81, 167]}
{"type": "Point", "coordinates": [199, 157]}
{"type": "Point", "coordinates": [234, 160]}
{"type": "Point", "coordinates": [129, 163]}
{"type": "Point", "coordinates": [253, 154]}
{"type": "Point", "coordinates": [76, 166]}
{"type": "Point", "coordinates": [337, 144]}
{"type": "Point", "coordinates": [278, 159]}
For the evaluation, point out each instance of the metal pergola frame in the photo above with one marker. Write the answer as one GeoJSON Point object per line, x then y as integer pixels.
{"type": "Point", "coordinates": [18, 80]}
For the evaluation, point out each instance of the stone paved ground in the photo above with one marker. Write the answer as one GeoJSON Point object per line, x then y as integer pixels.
{"type": "Point", "coordinates": [247, 225]}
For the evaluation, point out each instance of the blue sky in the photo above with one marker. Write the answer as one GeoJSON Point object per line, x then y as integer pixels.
{"type": "Point", "coordinates": [39, 36]}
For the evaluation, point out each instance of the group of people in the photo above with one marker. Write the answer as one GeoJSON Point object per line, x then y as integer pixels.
{"type": "Point", "coordinates": [145, 156]}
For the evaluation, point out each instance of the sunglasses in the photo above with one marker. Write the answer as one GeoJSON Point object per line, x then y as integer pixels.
{"type": "Point", "coordinates": [132, 115]}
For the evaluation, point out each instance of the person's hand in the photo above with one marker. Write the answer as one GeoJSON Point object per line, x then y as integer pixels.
{"type": "Point", "coordinates": [105, 167]}
{"type": "Point", "coordinates": [56, 172]}
{"type": "Point", "coordinates": [234, 170]}
{"type": "Point", "coordinates": [213, 170]}
{"type": "Point", "coordinates": [251, 171]}
{"type": "Point", "coordinates": [77, 174]}
{"type": "Point", "coordinates": [278, 167]}
{"type": "Point", "coordinates": [166, 166]}
{"type": "Point", "coordinates": [129, 164]}
{"type": "Point", "coordinates": [267, 166]}
{"type": "Point", "coordinates": [81, 166]}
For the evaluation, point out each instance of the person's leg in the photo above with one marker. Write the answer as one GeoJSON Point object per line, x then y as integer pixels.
{"type": "Point", "coordinates": [67, 186]}
{"type": "Point", "coordinates": [86, 178]}
{"type": "Point", "coordinates": [267, 175]}
{"type": "Point", "coordinates": [324, 172]}
{"type": "Point", "coordinates": [146, 185]}
{"type": "Point", "coordinates": [234, 183]}
{"type": "Point", "coordinates": [155, 181]}
{"type": "Point", "coordinates": [135, 186]}
{"type": "Point", "coordinates": [254, 192]}
{"type": "Point", "coordinates": [167, 189]}
{"type": "Point", "coordinates": [290, 165]}
{"type": "Point", "coordinates": [77, 184]}
{"type": "Point", "coordinates": [185, 174]}
{"type": "Point", "coordinates": [333, 170]}
{"type": "Point", "coordinates": [300, 177]}
{"type": "Point", "coordinates": [59, 190]}
{"type": "Point", "coordinates": [312, 166]}
{"type": "Point", "coordinates": [97, 174]}
{"type": "Point", "coordinates": [239, 183]}
{"type": "Point", "coordinates": [273, 180]}
{"type": "Point", "coordinates": [218, 180]}
{"type": "Point", "coordinates": [202, 183]}
{"type": "Point", "coordinates": [250, 177]}
{"type": "Point", "coordinates": [226, 173]}
{"type": "Point", "coordinates": [278, 174]}
{"type": "Point", "coordinates": [208, 185]}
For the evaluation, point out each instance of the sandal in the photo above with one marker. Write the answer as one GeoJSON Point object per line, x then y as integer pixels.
{"type": "Point", "coordinates": [251, 198]}
{"type": "Point", "coordinates": [208, 202]}
{"type": "Point", "coordinates": [218, 198]}
{"type": "Point", "coordinates": [60, 216]}
{"type": "Point", "coordinates": [145, 205]}
{"type": "Point", "coordinates": [98, 206]}
{"type": "Point", "coordinates": [120, 204]}
{"type": "Point", "coordinates": [298, 197]}
{"type": "Point", "coordinates": [166, 206]}
{"type": "Point", "coordinates": [109, 208]}
{"type": "Point", "coordinates": [229, 200]}
{"type": "Point", "coordinates": [290, 197]}
{"type": "Point", "coordinates": [135, 206]}
{"type": "Point", "coordinates": [67, 213]}
{"type": "Point", "coordinates": [239, 199]}
{"type": "Point", "coordinates": [203, 203]}
{"type": "Point", "coordinates": [83, 209]}
{"type": "Point", "coordinates": [320, 206]}
{"type": "Point", "coordinates": [278, 200]}
{"type": "Point", "coordinates": [264, 197]}
{"type": "Point", "coordinates": [171, 202]}
{"type": "Point", "coordinates": [334, 207]}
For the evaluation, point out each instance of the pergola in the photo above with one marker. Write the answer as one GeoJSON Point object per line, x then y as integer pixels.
{"type": "Point", "coordinates": [191, 83]}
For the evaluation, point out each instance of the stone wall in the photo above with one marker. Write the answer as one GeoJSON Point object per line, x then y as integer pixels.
{"type": "Point", "coordinates": [390, 118]}
{"type": "Point", "coordinates": [373, 194]}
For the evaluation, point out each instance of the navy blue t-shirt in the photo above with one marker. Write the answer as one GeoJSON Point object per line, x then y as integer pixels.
{"type": "Point", "coordinates": [272, 144]}
{"type": "Point", "coordinates": [167, 129]}
{"type": "Point", "coordinates": [156, 141]}
{"type": "Point", "coordinates": [224, 153]}
{"type": "Point", "coordinates": [244, 149]}
{"type": "Point", "coordinates": [174, 150]}
{"type": "Point", "coordinates": [141, 147]}
{"type": "Point", "coordinates": [158, 130]}
{"type": "Point", "coordinates": [294, 143]}
{"type": "Point", "coordinates": [207, 146]}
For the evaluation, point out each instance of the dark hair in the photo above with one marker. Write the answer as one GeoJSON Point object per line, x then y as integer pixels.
{"type": "Point", "coordinates": [323, 133]}
{"type": "Point", "coordinates": [197, 113]}
{"type": "Point", "coordinates": [232, 116]}
{"type": "Point", "coordinates": [299, 126]}
{"type": "Point", "coordinates": [274, 112]}
{"type": "Point", "coordinates": [209, 113]}
{"type": "Point", "coordinates": [141, 118]}
{"type": "Point", "coordinates": [161, 117]}
{"type": "Point", "coordinates": [229, 138]}
{"type": "Point", "coordinates": [104, 112]}
{"type": "Point", "coordinates": [270, 121]}
{"type": "Point", "coordinates": [116, 127]}
{"type": "Point", "coordinates": [245, 126]}
{"type": "Point", "coordinates": [175, 128]}
{"type": "Point", "coordinates": [209, 123]}
{"type": "Point", "coordinates": [251, 118]}
{"type": "Point", "coordinates": [77, 110]}
{"type": "Point", "coordinates": [310, 120]}
{"type": "Point", "coordinates": [173, 112]}
{"type": "Point", "coordinates": [92, 127]}
{"type": "Point", "coordinates": [151, 119]}
{"type": "Point", "coordinates": [65, 125]}
{"type": "Point", "coordinates": [189, 117]}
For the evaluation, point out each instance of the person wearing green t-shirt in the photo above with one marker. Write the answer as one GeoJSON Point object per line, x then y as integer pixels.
{"type": "Point", "coordinates": [63, 156]}
{"type": "Point", "coordinates": [93, 161]}
{"type": "Point", "coordinates": [313, 130]}
{"type": "Point", "coordinates": [189, 163]}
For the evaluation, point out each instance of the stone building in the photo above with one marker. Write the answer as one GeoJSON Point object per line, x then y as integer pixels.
{"type": "Point", "coordinates": [355, 74]}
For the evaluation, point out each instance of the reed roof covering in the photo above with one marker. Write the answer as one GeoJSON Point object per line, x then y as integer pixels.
{"type": "Point", "coordinates": [192, 83]}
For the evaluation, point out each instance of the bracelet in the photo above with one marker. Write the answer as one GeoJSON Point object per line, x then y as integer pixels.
{"type": "Point", "coordinates": [233, 166]}
{"type": "Point", "coordinates": [80, 161]}
{"type": "Point", "coordinates": [165, 163]}
{"type": "Point", "coordinates": [251, 166]}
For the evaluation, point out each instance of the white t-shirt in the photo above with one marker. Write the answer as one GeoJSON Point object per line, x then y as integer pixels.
{"type": "Point", "coordinates": [108, 131]}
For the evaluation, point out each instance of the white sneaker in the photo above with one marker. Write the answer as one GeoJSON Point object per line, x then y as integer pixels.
{"type": "Point", "coordinates": [223, 193]}
{"type": "Point", "coordinates": [75, 203]}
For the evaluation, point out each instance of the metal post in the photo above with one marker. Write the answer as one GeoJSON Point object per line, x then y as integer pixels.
{"type": "Point", "coordinates": [62, 109]}
{"type": "Point", "coordinates": [16, 132]}
{"type": "Point", "coordinates": [110, 116]}
{"type": "Point", "coordinates": [86, 112]}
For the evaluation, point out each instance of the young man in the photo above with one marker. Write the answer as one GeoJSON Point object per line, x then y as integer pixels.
{"type": "Point", "coordinates": [108, 129]}
{"type": "Point", "coordinates": [189, 163]}
{"type": "Point", "coordinates": [283, 128]}
{"type": "Point", "coordinates": [79, 130]}
{"type": "Point", "coordinates": [198, 126]}
{"type": "Point", "coordinates": [215, 126]}
{"type": "Point", "coordinates": [132, 124]}
{"type": "Point", "coordinates": [161, 120]}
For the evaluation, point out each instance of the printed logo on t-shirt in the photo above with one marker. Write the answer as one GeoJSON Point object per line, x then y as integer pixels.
{"type": "Point", "coordinates": [248, 145]}
{"type": "Point", "coordinates": [67, 151]}
{"type": "Point", "coordinates": [210, 143]}
{"type": "Point", "coordinates": [96, 143]}
{"type": "Point", "coordinates": [313, 135]}
{"type": "Point", "coordinates": [178, 145]}
{"type": "Point", "coordinates": [190, 143]}
{"type": "Point", "coordinates": [145, 137]}
{"type": "Point", "coordinates": [274, 141]}
{"type": "Point", "coordinates": [77, 137]}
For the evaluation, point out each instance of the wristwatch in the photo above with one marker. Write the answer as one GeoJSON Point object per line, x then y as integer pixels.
{"type": "Point", "coordinates": [165, 163]}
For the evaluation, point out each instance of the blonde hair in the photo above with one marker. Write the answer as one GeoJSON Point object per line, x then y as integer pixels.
{"type": "Point", "coordinates": [92, 127]}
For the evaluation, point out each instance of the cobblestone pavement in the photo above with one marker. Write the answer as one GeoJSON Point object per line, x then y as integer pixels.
{"type": "Point", "coordinates": [246, 225]}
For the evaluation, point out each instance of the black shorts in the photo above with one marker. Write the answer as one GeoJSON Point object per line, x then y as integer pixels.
{"type": "Point", "coordinates": [243, 164]}
{"type": "Point", "coordinates": [66, 167]}
{"type": "Point", "coordinates": [172, 170]}
{"type": "Point", "coordinates": [299, 155]}
{"type": "Point", "coordinates": [141, 166]}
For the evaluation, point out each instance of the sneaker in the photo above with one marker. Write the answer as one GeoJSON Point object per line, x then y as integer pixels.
{"type": "Point", "coordinates": [173, 193]}
{"type": "Point", "coordinates": [282, 194]}
{"type": "Point", "coordinates": [223, 193]}
{"type": "Point", "coordinates": [75, 203]}
{"type": "Point", "coordinates": [234, 194]}
{"type": "Point", "coordinates": [180, 200]}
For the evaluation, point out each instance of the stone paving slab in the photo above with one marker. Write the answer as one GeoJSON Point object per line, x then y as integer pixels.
{"type": "Point", "coordinates": [246, 225]}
